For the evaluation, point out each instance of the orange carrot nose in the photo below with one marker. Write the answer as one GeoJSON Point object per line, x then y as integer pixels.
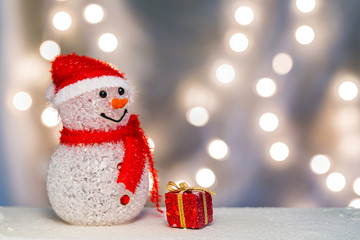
{"type": "Point", "coordinates": [118, 103]}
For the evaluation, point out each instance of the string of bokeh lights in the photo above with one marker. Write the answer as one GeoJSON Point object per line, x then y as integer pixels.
{"type": "Point", "coordinates": [225, 73]}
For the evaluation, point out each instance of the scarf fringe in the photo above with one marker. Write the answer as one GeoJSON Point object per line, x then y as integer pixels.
{"type": "Point", "coordinates": [155, 197]}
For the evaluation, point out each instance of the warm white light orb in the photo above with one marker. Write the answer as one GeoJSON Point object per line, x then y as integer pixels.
{"type": "Point", "coordinates": [305, 35]}
{"type": "Point", "coordinates": [282, 63]}
{"type": "Point", "coordinates": [349, 144]}
{"type": "Point", "coordinates": [178, 182]}
{"type": "Point", "coordinates": [348, 90]}
{"type": "Point", "coordinates": [320, 164]}
{"type": "Point", "coordinates": [346, 118]}
{"type": "Point", "coordinates": [356, 186]}
{"type": "Point", "coordinates": [355, 203]}
{"type": "Point", "coordinates": [22, 101]}
{"type": "Point", "coordinates": [218, 149]}
{"type": "Point", "coordinates": [305, 6]}
{"type": "Point", "coordinates": [151, 144]}
{"type": "Point", "coordinates": [50, 117]}
{"type": "Point", "coordinates": [197, 116]}
{"type": "Point", "coordinates": [49, 50]}
{"type": "Point", "coordinates": [205, 177]}
{"type": "Point", "coordinates": [93, 13]}
{"type": "Point", "coordinates": [336, 182]}
{"type": "Point", "coordinates": [108, 42]}
{"type": "Point", "coordinates": [225, 73]}
{"type": "Point", "coordinates": [62, 21]}
{"type": "Point", "coordinates": [266, 87]}
{"type": "Point", "coordinates": [244, 15]}
{"type": "Point", "coordinates": [279, 151]}
{"type": "Point", "coordinates": [151, 181]}
{"type": "Point", "coordinates": [268, 122]}
{"type": "Point", "coordinates": [239, 42]}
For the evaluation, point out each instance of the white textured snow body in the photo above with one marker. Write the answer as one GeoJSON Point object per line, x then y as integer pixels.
{"type": "Point", "coordinates": [82, 186]}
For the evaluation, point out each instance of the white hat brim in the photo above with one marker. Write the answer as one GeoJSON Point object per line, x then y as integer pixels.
{"type": "Point", "coordinates": [83, 86]}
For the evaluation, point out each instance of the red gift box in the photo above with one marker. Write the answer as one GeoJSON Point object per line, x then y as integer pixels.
{"type": "Point", "coordinates": [188, 207]}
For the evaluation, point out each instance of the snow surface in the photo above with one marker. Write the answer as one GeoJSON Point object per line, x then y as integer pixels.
{"type": "Point", "coordinates": [229, 223]}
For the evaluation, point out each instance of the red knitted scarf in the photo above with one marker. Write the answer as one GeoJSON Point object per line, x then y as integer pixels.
{"type": "Point", "coordinates": [137, 151]}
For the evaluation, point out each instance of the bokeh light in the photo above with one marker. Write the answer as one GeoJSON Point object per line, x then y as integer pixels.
{"type": "Point", "coordinates": [282, 63]}
{"type": "Point", "coordinates": [50, 117]}
{"type": "Point", "coordinates": [348, 145]}
{"type": "Point", "coordinates": [266, 87]}
{"type": "Point", "coordinates": [305, 6]}
{"type": "Point", "coordinates": [348, 90]}
{"type": "Point", "coordinates": [239, 42]}
{"type": "Point", "coordinates": [356, 186]}
{"type": "Point", "coordinates": [268, 122]}
{"type": "Point", "coordinates": [108, 42]}
{"type": "Point", "coordinates": [62, 21]}
{"type": "Point", "coordinates": [336, 182]}
{"type": "Point", "coordinates": [49, 50]}
{"type": "Point", "coordinates": [346, 118]}
{"type": "Point", "coordinates": [244, 15]}
{"type": "Point", "coordinates": [151, 144]}
{"type": "Point", "coordinates": [151, 181]}
{"type": "Point", "coordinates": [355, 203]}
{"type": "Point", "coordinates": [205, 177]}
{"type": "Point", "coordinates": [181, 181]}
{"type": "Point", "coordinates": [93, 13]}
{"type": "Point", "coordinates": [305, 35]}
{"type": "Point", "coordinates": [218, 149]}
{"type": "Point", "coordinates": [193, 94]}
{"type": "Point", "coordinates": [225, 73]}
{"type": "Point", "coordinates": [197, 116]}
{"type": "Point", "coordinates": [22, 101]}
{"type": "Point", "coordinates": [320, 164]}
{"type": "Point", "coordinates": [279, 151]}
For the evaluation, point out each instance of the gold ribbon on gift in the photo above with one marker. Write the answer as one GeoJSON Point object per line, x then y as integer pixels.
{"type": "Point", "coordinates": [183, 187]}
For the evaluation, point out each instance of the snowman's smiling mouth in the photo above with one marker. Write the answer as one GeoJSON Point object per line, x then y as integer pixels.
{"type": "Point", "coordinates": [114, 120]}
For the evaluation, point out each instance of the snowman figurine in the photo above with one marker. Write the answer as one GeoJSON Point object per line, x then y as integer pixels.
{"type": "Point", "coordinates": [99, 173]}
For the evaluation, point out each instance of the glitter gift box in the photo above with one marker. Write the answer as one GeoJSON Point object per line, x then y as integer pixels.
{"type": "Point", "coordinates": [188, 207]}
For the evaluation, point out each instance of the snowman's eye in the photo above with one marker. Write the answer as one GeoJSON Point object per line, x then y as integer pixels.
{"type": "Point", "coordinates": [121, 91]}
{"type": "Point", "coordinates": [103, 94]}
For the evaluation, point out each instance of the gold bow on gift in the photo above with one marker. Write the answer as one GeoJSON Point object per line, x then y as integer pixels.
{"type": "Point", "coordinates": [183, 187]}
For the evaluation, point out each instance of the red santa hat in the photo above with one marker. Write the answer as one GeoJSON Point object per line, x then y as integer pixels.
{"type": "Point", "coordinates": [74, 75]}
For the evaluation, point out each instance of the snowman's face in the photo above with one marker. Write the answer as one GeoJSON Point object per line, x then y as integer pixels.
{"type": "Point", "coordinates": [104, 109]}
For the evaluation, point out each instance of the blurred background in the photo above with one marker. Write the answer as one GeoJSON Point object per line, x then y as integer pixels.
{"type": "Point", "coordinates": [256, 100]}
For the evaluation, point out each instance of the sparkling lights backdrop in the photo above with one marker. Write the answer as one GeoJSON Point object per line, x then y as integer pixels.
{"type": "Point", "coordinates": [257, 100]}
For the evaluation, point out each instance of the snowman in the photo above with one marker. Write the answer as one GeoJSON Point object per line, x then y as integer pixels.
{"type": "Point", "coordinates": [99, 173]}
